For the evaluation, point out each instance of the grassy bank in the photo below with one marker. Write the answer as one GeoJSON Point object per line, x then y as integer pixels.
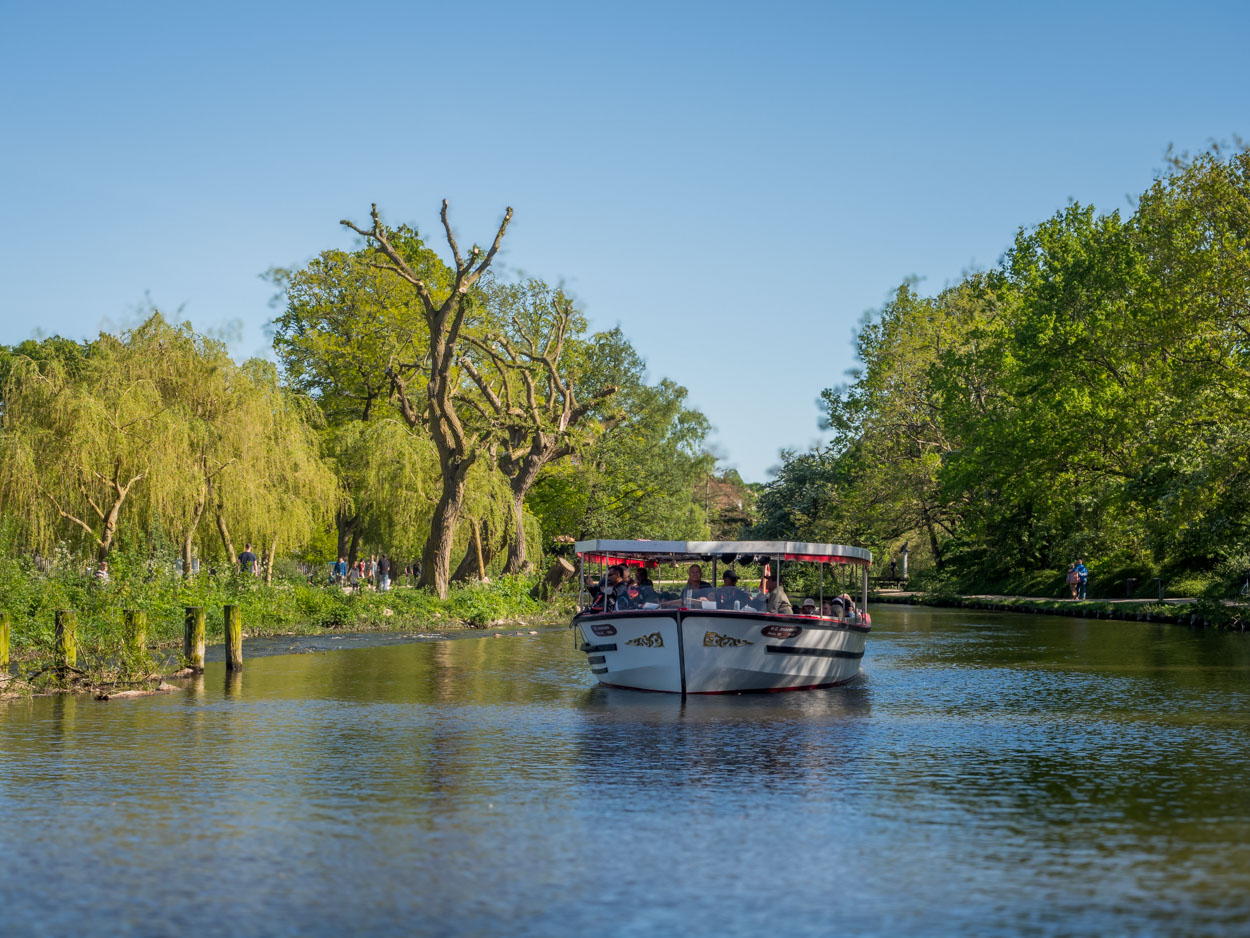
{"type": "Point", "coordinates": [1202, 613]}
{"type": "Point", "coordinates": [287, 606]}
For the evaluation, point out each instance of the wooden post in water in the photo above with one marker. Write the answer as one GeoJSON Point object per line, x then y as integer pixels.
{"type": "Point", "coordinates": [234, 638]}
{"type": "Point", "coordinates": [66, 638]}
{"type": "Point", "coordinates": [136, 630]}
{"type": "Point", "coordinates": [5, 620]}
{"type": "Point", "coordinates": [193, 638]}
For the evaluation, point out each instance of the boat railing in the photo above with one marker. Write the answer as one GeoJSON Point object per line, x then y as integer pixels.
{"type": "Point", "coordinates": [755, 607]}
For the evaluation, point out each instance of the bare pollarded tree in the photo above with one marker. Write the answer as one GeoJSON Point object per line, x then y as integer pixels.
{"type": "Point", "coordinates": [458, 446]}
{"type": "Point", "coordinates": [530, 391]}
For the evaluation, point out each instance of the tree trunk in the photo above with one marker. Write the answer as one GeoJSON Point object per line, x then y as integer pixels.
{"type": "Point", "coordinates": [517, 561]}
{"type": "Point", "coordinates": [464, 569]}
{"type": "Point", "coordinates": [354, 549]}
{"type": "Point", "coordinates": [933, 541]}
{"type": "Point", "coordinates": [541, 453]}
{"type": "Point", "coordinates": [436, 558]}
{"type": "Point", "coordinates": [346, 528]}
{"type": "Point", "coordinates": [226, 542]}
{"type": "Point", "coordinates": [273, 550]}
{"type": "Point", "coordinates": [559, 571]}
{"type": "Point", "coordinates": [189, 538]}
{"type": "Point", "coordinates": [468, 566]}
{"type": "Point", "coordinates": [477, 549]}
{"type": "Point", "coordinates": [110, 529]}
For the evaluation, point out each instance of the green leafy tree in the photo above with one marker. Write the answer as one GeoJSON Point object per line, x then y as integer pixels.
{"type": "Point", "coordinates": [640, 475]}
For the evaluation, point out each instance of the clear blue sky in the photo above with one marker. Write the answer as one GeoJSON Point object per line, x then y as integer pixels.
{"type": "Point", "coordinates": [734, 184]}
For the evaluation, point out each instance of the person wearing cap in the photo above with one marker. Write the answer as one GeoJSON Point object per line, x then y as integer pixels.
{"type": "Point", "coordinates": [728, 593]}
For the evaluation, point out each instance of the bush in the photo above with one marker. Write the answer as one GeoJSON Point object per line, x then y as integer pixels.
{"type": "Point", "coordinates": [287, 605]}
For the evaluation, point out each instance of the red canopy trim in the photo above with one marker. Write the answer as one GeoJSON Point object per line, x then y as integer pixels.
{"type": "Point", "coordinates": [817, 558]}
{"type": "Point", "coordinates": [623, 561]}
{"type": "Point", "coordinates": [631, 562]}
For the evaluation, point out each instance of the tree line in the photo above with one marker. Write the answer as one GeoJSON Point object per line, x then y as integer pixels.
{"type": "Point", "coordinates": [420, 404]}
{"type": "Point", "coordinates": [1088, 397]}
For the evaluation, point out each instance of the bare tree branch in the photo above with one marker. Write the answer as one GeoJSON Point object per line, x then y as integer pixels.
{"type": "Point", "coordinates": [451, 238]}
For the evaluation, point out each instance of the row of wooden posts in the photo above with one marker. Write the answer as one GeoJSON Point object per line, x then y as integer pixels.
{"type": "Point", "coordinates": [66, 636]}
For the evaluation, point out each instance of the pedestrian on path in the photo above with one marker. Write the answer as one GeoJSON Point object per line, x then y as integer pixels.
{"type": "Point", "coordinates": [1083, 573]}
{"type": "Point", "coordinates": [1074, 581]}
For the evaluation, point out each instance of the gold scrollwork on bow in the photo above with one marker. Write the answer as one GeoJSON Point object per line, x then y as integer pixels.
{"type": "Point", "coordinates": [654, 640]}
{"type": "Point", "coordinates": [716, 640]}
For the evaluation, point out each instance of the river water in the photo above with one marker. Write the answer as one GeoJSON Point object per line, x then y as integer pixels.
{"type": "Point", "coordinates": [987, 774]}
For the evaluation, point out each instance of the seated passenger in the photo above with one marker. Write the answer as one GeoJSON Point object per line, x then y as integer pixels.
{"type": "Point", "coordinates": [695, 587]}
{"type": "Point", "coordinates": [614, 589]}
{"type": "Point", "coordinates": [645, 588]}
{"type": "Point", "coordinates": [809, 607]}
{"type": "Point", "coordinates": [826, 608]}
{"type": "Point", "coordinates": [694, 580]}
{"type": "Point", "coordinates": [729, 596]}
{"type": "Point", "coordinates": [847, 603]}
{"type": "Point", "coordinates": [646, 593]}
{"type": "Point", "coordinates": [776, 600]}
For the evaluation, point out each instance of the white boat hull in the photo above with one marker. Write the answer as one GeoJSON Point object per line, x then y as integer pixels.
{"type": "Point", "coordinates": [720, 652]}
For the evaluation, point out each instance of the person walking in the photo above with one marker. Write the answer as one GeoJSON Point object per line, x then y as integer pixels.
{"type": "Point", "coordinates": [1083, 573]}
{"type": "Point", "coordinates": [384, 573]}
{"type": "Point", "coordinates": [247, 560]}
{"type": "Point", "coordinates": [1074, 581]}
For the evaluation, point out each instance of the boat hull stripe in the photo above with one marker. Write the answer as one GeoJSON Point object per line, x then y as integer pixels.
{"type": "Point", "coordinates": [590, 649]}
{"type": "Point", "coordinates": [811, 652]}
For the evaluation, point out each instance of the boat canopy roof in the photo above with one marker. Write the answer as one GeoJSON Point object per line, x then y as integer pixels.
{"type": "Point", "coordinates": [609, 551]}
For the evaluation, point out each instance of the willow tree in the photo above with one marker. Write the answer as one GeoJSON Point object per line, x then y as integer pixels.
{"type": "Point", "coordinates": [275, 487]}
{"type": "Point", "coordinates": [198, 383]}
{"type": "Point", "coordinates": [84, 441]}
{"type": "Point", "coordinates": [529, 385]}
{"type": "Point", "coordinates": [389, 474]}
{"type": "Point", "coordinates": [443, 410]}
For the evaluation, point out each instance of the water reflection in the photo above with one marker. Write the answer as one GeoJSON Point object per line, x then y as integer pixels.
{"type": "Point", "coordinates": [764, 740]}
{"type": "Point", "coordinates": [1057, 776]}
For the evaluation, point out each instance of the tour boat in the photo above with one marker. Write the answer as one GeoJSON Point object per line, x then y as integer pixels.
{"type": "Point", "coordinates": [697, 642]}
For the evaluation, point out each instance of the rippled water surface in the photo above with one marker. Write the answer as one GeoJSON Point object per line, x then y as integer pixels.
{"type": "Point", "coordinates": [986, 774]}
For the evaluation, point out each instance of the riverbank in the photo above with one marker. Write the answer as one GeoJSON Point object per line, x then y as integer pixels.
{"type": "Point", "coordinates": [103, 619]}
{"type": "Point", "coordinates": [168, 675]}
{"type": "Point", "coordinates": [1193, 612]}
